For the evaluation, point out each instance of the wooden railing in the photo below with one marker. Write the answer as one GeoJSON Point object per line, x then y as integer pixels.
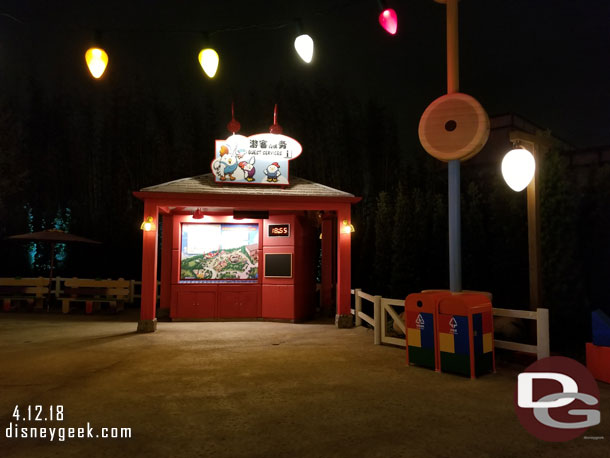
{"type": "Point", "coordinates": [383, 307]}
{"type": "Point", "coordinates": [135, 288]}
{"type": "Point", "coordinates": [542, 348]}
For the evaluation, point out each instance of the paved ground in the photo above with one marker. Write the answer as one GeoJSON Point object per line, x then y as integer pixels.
{"type": "Point", "coordinates": [253, 389]}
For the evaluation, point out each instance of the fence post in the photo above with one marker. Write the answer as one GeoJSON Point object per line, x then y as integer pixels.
{"type": "Point", "coordinates": [131, 290]}
{"type": "Point", "coordinates": [383, 320]}
{"type": "Point", "coordinates": [377, 319]}
{"type": "Point", "coordinates": [357, 306]}
{"type": "Point", "coordinates": [542, 333]}
{"type": "Point", "coordinates": [56, 292]}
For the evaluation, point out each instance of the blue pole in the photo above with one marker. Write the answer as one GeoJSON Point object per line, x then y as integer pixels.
{"type": "Point", "coordinates": [455, 230]}
{"type": "Point", "coordinates": [453, 85]}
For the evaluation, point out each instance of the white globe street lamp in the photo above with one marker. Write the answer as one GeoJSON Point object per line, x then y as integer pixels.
{"type": "Point", "coordinates": [518, 168]}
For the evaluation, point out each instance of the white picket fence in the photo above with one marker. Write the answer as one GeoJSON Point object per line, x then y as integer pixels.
{"type": "Point", "coordinates": [383, 307]}
{"type": "Point", "coordinates": [135, 287]}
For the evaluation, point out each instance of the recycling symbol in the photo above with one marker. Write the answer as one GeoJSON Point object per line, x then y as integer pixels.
{"type": "Point", "coordinates": [453, 323]}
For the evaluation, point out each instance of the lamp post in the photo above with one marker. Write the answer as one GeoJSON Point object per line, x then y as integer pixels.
{"type": "Point", "coordinates": [454, 166]}
{"type": "Point", "coordinates": [453, 128]}
{"type": "Point", "coordinates": [535, 144]}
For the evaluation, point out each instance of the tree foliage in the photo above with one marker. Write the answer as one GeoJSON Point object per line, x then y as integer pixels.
{"type": "Point", "coordinates": [87, 150]}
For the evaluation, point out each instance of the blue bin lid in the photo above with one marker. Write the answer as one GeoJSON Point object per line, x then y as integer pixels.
{"type": "Point", "coordinates": [600, 322]}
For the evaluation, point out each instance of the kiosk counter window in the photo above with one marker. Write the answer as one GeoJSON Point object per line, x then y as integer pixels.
{"type": "Point", "coordinates": [219, 253]}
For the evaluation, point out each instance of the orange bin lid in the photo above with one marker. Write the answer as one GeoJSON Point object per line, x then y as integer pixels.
{"type": "Point", "coordinates": [464, 304]}
{"type": "Point", "coordinates": [425, 301]}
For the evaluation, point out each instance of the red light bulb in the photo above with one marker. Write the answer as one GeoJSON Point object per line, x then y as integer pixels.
{"type": "Point", "coordinates": [389, 20]}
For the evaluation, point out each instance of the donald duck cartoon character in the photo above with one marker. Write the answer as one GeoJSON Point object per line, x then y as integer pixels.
{"type": "Point", "coordinates": [273, 172]}
{"type": "Point", "coordinates": [228, 160]}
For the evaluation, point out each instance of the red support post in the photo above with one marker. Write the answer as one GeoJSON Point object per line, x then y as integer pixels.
{"type": "Point", "coordinates": [328, 256]}
{"type": "Point", "coordinates": [166, 264]}
{"type": "Point", "coordinates": [148, 302]}
{"type": "Point", "coordinates": [343, 319]}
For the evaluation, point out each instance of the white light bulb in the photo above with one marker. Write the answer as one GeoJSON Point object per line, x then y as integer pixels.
{"type": "Point", "coordinates": [304, 46]}
{"type": "Point", "coordinates": [518, 168]}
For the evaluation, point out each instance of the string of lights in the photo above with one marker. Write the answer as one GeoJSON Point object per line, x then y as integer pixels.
{"type": "Point", "coordinates": [10, 16]}
{"type": "Point", "coordinates": [97, 58]}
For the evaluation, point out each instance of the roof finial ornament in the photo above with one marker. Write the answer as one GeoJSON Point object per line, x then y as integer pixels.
{"type": "Point", "coordinates": [275, 128]}
{"type": "Point", "coordinates": [233, 125]}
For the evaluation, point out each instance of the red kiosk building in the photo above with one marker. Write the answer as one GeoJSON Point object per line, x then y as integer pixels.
{"type": "Point", "coordinates": [239, 251]}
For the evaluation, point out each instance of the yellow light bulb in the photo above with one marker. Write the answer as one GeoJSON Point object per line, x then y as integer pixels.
{"type": "Point", "coordinates": [208, 59]}
{"type": "Point", "coordinates": [97, 60]}
{"type": "Point", "coordinates": [347, 228]}
{"type": "Point", "coordinates": [148, 224]}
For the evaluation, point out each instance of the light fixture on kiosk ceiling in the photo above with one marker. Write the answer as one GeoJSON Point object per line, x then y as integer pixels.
{"type": "Point", "coordinates": [388, 19]}
{"type": "Point", "coordinates": [303, 44]}
{"type": "Point", "coordinates": [518, 168]}
{"type": "Point", "coordinates": [148, 224]}
{"type": "Point", "coordinates": [198, 214]}
{"type": "Point", "coordinates": [347, 228]}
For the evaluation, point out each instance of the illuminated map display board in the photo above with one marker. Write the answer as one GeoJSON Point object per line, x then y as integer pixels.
{"type": "Point", "coordinates": [219, 252]}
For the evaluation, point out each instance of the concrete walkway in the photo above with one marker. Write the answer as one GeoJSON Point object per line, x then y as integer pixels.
{"type": "Point", "coordinates": [252, 389]}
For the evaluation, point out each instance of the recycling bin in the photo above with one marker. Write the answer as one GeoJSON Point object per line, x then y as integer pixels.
{"type": "Point", "coordinates": [420, 324]}
{"type": "Point", "coordinates": [465, 334]}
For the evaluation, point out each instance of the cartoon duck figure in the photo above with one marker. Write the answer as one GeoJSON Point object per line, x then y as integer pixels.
{"type": "Point", "coordinates": [273, 172]}
{"type": "Point", "coordinates": [227, 159]}
{"type": "Point", "coordinates": [248, 168]}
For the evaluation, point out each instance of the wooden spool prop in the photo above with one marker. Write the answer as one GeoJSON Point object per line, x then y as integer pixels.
{"type": "Point", "coordinates": [454, 126]}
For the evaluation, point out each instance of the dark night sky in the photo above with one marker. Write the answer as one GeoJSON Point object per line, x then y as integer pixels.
{"type": "Point", "coordinates": [546, 60]}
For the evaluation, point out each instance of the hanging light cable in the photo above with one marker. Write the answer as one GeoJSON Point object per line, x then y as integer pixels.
{"type": "Point", "coordinates": [388, 19]}
{"type": "Point", "coordinates": [303, 44]}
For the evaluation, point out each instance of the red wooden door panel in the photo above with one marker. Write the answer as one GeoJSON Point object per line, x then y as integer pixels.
{"type": "Point", "coordinates": [238, 304]}
{"type": "Point", "coordinates": [196, 304]}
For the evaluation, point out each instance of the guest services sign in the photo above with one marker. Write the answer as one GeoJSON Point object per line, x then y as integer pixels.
{"type": "Point", "coordinates": [258, 159]}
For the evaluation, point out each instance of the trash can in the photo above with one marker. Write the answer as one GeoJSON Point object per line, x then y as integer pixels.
{"type": "Point", "coordinates": [420, 324]}
{"type": "Point", "coordinates": [465, 334]}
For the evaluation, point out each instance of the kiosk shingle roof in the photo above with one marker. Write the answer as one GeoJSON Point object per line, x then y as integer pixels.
{"type": "Point", "coordinates": [205, 184]}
